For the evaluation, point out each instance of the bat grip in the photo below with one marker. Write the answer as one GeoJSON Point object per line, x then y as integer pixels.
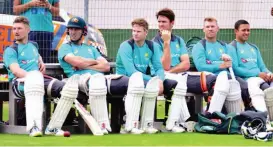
{"type": "Point", "coordinates": [232, 73]}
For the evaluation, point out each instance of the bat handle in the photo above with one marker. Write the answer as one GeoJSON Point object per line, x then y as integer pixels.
{"type": "Point", "coordinates": [231, 73]}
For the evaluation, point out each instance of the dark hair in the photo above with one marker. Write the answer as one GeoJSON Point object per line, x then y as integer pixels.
{"type": "Point", "coordinates": [167, 13]}
{"type": "Point", "coordinates": [240, 22]}
{"type": "Point", "coordinates": [21, 19]}
{"type": "Point", "coordinates": [141, 22]}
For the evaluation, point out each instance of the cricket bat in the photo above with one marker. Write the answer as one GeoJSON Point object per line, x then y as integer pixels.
{"type": "Point", "coordinates": [89, 119]}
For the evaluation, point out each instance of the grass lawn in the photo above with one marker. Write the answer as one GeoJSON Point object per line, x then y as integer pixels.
{"type": "Point", "coordinates": [161, 139]}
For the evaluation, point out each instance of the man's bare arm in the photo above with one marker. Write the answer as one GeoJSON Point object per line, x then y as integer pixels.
{"type": "Point", "coordinates": [183, 66]}
{"type": "Point", "coordinates": [17, 71]}
{"type": "Point", "coordinates": [79, 62]}
{"type": "Point", "coordinates": [102, 66]}
{"type": "Point", "coordinates": [166, 58]}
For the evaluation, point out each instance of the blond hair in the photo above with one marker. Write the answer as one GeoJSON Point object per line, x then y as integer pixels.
{"type": "Point", "coordinates": [141, 22]}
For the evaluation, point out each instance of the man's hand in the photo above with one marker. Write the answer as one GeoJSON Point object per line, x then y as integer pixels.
{"type": "Point", "coordinates": [161, 87]}
{"type": "Point", "coordinates": [270, 75]}
{"type": "Point", "coordinates": [226, 57]}
{"type": "Point", "coordinates": [166, 35]}
{"type": "Point", "coordinates": [46, 4]}
{"type": "Point", "coordinates": [264, 76]}
{"type": "Point", "coordinates": [36, 3]}
{"type": "Point", "coordinates": [225, 64]}
{"type": "Point", "coordinates": [42, 67]}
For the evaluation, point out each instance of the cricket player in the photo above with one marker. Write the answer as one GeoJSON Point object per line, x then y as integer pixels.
{"type": "Point", "coordinates": [26, 72]}
{"type": "Point", "coordinates": [249, 65]}
{"type": "Point", "coordinates": [212, 55]}
{"type": "Point", "coordinates": [175, 61]}
{"type": "Point", "coordinates": [75, 57]}
{"type": "Point", "coordinates": [141, 55]}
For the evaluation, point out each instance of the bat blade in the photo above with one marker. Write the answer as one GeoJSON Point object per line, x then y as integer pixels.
{"type": "Point", "coordinates": [89, 119]}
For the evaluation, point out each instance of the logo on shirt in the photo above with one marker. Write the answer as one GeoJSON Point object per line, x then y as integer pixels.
{"type": "Point", "coordinates": [34, 52]}
{"type": "Point", "coordinates": [76, 51]}
{"type": "Point", "coordinates": [242, 51]}
{"type": "Point", "coordinates": [221, 50]}
{"type": "Point", "coordinates": [209, 51]}
{"type": "Point", "coordinates": [252, 50]}
{"type": "Point", "coordinates": [24, 62]}
{"type": "Point", "coordinates": [208, 61]}
{"type": "Point", "coordinates": [23, 53]}
{"type": "Point", "coordinates": [146, 55]}
{"type": "Point", "coordinates": [177, 46]}
{"type": "Point", "coordinates": [90, 51]}
{"type": "Point", "coordinates": [248, 60]}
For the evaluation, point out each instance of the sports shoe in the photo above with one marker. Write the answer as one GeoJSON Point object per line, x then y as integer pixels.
{"type": "Point", "coordinates": [35, 132]}
{"type": "Point", "coordinates": [133, 131]}
{"type": "Point", "coordinates": [150, 130]}
{"type": "Point", "coordinates": [177, 129]}
{"type": "Point", "coordinates": [55, 132]}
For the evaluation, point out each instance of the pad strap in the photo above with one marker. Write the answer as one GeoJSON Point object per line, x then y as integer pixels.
{"type": "Point", "coordinates": [203, 82]}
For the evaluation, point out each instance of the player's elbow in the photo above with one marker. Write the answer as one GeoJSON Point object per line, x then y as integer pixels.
{"type": "Point", "coordinates": [15, 11]}
{"type": "Point", "coordinates": [107, 67]}
{"type": "Point", "coordinates": [166, 68]}
{"type": "Point", "coordinates": [187, 66]}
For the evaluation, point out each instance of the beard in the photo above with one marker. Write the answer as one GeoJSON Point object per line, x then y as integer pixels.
{"type": "Point", "coordinates": [19, 38]}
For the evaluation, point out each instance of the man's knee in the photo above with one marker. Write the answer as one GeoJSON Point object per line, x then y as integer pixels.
{"type": "Point", "coordinates": [169, 86]}
{"type": "Point", "coordinates": [119, 86]}
{"type": "Point", "coordinates": [54, 88]}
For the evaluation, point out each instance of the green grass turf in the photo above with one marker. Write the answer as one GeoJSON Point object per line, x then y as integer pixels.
{"type": "Point", "coordinates": [161, 139]}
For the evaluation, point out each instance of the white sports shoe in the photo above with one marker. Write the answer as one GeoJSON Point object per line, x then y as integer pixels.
{"type": "Point", "coordinates": [55, 132]}
{"type": "Point", "coordinates": [133, 131]}
{"type": "Point", "coordinates": [35, 132]}
{"type": "Point", "coordinates": [150, 130]}
{"type": "Point", "coordinates": [177, 129]}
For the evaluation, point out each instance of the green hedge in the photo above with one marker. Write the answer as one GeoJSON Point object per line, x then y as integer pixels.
{"type": "Point", "coordinates": [263, 38]}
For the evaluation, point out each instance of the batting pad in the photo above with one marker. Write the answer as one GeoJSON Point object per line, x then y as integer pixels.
{"type": "Point", "coordinates": [221, 90]}
{"type": "Point", "coordinates": [83, 86]}
{"type": "Point", "coordinates": [34, 94]}
{"type": "Point", "coordinates": [178, 106]}
{"type": "Point", "coordinates": [68, 95]}
{"type": "Point", "coordinates": [97, 100]}
{"type": "Point", "coordinates": [148, 103]}
{"type": "Point", "coordinates": [234, 97]}
{"type": "Point", "coordinates": [256, 94]}
{"type": "Point", "coordinates": [133, 100]}
{"type": "Point", "coordinates": [269, 102]}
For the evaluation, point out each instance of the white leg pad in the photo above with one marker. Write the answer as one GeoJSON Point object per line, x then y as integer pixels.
{"type": "Point", "coordinates": [178, 108]}
{"type": "Point", "coordinates": [68, 95]}
{"type": "Point", "coordinates": [148, 103]}
{"type": "Point", "coordinates": [256, 94]}
{"type": "Point", "coordinates": [269, 102]}
{"type": "Point", "coordinates": [34, 94]}
{"type": "Point", "coordinates": [97, 100]}
{"type": "Point", "coordinates": [133, 100]}
{"type": "Point", "coordinates": [221, 90]}
{"type": "Point", "coordinates": [234, 97]}
{"type": "Point", "coordinates": [83, 83]}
